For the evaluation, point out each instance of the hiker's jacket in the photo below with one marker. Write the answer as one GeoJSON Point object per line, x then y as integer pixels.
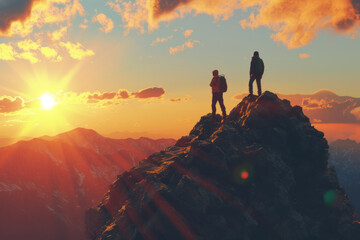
{"type": "Point", "coordinates": [215, 84]}
{"type": "Point", "coordinates": [257, 66]}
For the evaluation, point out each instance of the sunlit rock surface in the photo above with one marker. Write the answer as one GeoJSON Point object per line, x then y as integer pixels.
{"type": "Point", "coordinates": [263, 174]}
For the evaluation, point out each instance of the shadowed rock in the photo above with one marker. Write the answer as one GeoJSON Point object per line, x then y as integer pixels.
{"type": "Point", "coordinates": [262, 174]}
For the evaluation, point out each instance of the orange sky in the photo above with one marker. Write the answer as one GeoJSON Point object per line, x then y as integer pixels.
{"type": "Point", "coordinates": [144, 67]}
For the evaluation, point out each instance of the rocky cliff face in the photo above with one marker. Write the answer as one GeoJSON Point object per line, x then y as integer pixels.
{"type": "Point", "coordinates": [262, 174]}
{"type": "Point", "coordinates": [345, 157]}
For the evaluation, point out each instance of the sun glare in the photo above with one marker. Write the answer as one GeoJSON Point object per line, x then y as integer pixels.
{"type": "Point", "coordinates": [47, 101]}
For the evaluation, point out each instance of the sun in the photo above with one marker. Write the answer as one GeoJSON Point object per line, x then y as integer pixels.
{"type": "Point", "coordinates": [47, 101]}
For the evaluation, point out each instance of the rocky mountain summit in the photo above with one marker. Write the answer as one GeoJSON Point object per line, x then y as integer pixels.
{"type": "Point", "coordinates": [263, 174]}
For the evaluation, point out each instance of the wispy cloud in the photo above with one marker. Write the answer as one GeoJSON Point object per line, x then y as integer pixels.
{"type": "Point", "coordinates": [304, 55]}
{"type": "Point", "coordinates": [179, 99]}
{"type": "Point", "coordinates": [295, 23]}
{"type": "Point", "coordinates": [7, 52]}
{"type": "Point", "coordinates": [188, 33]}
{"type": "Point", "coordinates": [106, 22]}
{"type": "Point", "coordinates": [161, 40]}
{"type": "Point", "coordinates": [49, 52]}
{"type": "Point", "coordinates": [77, 50]}
{"type": "Point", "coordinates": [58, 34]}
{"type": "Point", "coordinates": [180, 48]}
{"type": "Point", "coordinates": [28, 45]}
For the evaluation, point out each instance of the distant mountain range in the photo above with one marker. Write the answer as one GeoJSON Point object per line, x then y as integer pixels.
{"type": "Point", "coordinates": [345, 157]}
{"type": "Point", "coordinates": [47, 183]}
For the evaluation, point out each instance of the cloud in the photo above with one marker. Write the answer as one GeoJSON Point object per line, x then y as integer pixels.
{"type": "Point", "coordinates": [58, 34]}
{"type": "Point", "coordinates": [7, 52]}
{"type": "Point", "coordinates": [10, 104]}
{"type": "Point", "coordinates": [84, 25]}
{"type": "Point", "coordinates": [188, 33]}
{"type": "Point", "coordinates": [161, 40]}
{"type": "Point", "coordinates": [14, 10]}
{"type": "Point", "coordinates": [124, 94]}
{"type": "Point", "coordinates": [121, 94]}
{"type": "Point", "coordinates": [180, 48]}
{"type": "Point", "coordinates": [106, 22]}
{"type": "Point", "coordinates": [19, 17]}
{"type": "Point", "coordinates": [134, 15]}
{"type": "Point", "coordinates": [304, 55]}
{"type": "Point", "coordinates": [179, 99]}
{"type": "Point", "coordinates": [28, 45]}
{"type": "Point", "coordinates": [31, 57]}
{"type": "Point", "coordinates": [294, 23]}
{"type": "Point", "coordinates": [324, 106]}
{"type": "Point", "coordinates": [49, 52]}
{"type": "Point", "coordinates": [154, 92]}
{"type": "Point", "coordinates": [102, 96]}
{"type": "Point", "coordinates": [77, 50]}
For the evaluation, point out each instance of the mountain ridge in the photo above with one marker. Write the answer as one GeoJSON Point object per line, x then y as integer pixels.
{"type": "Point", "coordinates": [46, 185]}
{"type": "Point", "coordinates": [262, 174]}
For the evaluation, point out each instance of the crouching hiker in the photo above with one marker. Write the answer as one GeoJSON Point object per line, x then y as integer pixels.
{"type": "Point", "coordinates": [219, 86]}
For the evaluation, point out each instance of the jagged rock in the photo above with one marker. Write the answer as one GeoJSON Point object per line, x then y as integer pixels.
{"type": "Point", "coordinates": [262, 174]}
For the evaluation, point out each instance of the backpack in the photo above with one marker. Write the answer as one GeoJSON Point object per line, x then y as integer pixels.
{"type": "Point", "coordinates": [259, 66]}
{"type": "Point", "coordinates": [223, 84]}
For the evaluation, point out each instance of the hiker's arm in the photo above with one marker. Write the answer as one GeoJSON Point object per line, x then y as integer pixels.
{"type": "Point", "coordinates": [212, 82]}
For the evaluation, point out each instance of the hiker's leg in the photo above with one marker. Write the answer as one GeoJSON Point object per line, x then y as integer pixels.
{"type": "Point", "coordinates": [221, 102]}
{"type": "Point", "coordinates": [214, 100]}
{"type": "Point", "coordinates": [252, 78]}
{"type": "Point", "coordinates": [258, 83]}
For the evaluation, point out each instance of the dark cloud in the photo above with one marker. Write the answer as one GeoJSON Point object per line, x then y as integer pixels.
{"type": "Point", "coordinates": [356, 4]}
{"type": "Point", "coordinates": [124, 94]}
{"type": "Point", "coordinates": [166, 6]}
{"type": "Point", "coordinates": [14, 10]}
{"type": "Point", "coordinates": [102, 96]}
{"type": "Point", "coordinates": [96, 97]}
{"type": "Point", "coordinates": [9, 104]}
{"type": "Point", "coordinates": [154, 92]}
{"type": "Point", "coordinates": [325, 106]}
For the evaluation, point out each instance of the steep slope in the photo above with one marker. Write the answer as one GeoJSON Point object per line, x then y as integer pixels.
{"type": "Point", "coordinates": [46, 184]}
{"type": "Point", "coordinates": [345, 157]}
{"type": "Point", "coordinates": [263, 174]}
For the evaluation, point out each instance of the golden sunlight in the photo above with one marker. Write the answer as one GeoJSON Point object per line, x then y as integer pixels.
{"type": "Point", "coordinates": [47, 101]}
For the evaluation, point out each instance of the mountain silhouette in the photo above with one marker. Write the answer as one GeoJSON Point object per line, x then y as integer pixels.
{"type": "Point", "coordinates": [345, 157]}
{"type": "Point", "coordinates": [47, 183]}
{"type": "Point", "coordinates": [263, 174]}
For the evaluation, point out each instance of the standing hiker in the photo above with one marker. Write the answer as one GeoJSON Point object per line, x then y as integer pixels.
{"type": "Point", "coordinates": [219, 86]}
{"type": "Point", "coordinates": [256, 71]}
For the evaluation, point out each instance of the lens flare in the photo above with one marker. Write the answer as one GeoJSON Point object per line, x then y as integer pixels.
{"type": "Point", "coordinates": [244, 175]}
{"type": "Point", "coordinates": [331, 198]}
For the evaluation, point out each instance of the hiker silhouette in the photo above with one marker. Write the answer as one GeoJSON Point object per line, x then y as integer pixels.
{"type": "Point", "coordinates": [257, 68]}
{"type": "Point", "coordinates": [219, 86]}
